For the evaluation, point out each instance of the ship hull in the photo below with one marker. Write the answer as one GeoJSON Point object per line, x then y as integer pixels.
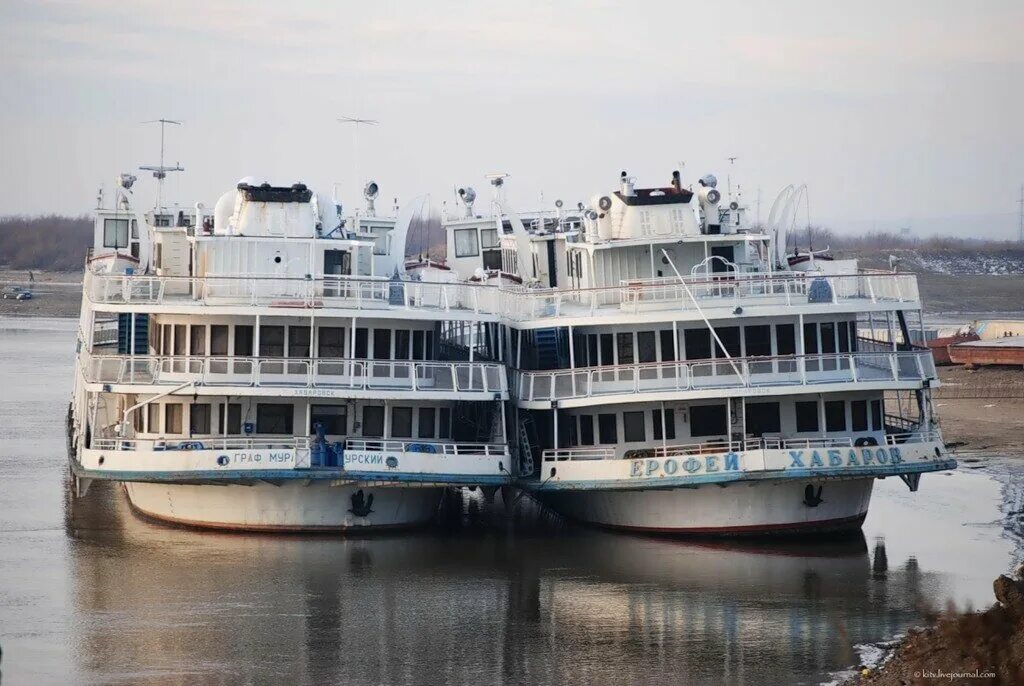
{"type": "Point", "coordinates": [298, 506]}
{"type": "Point", "coordinates": [752, 508]}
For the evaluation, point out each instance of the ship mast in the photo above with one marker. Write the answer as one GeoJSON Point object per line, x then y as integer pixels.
{"type": "Point", "coordinates": [160, 171]}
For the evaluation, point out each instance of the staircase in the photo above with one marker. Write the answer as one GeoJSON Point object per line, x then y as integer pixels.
{"type": "Point", "coordinates": [548, 348]}
{"type": "Point", "coordinates": [124, 333]}
{"type": "Point", "coordinates": [525, 451]}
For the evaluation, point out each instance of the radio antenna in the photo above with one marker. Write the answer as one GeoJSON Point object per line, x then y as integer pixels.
{"type": "Point", "coordinates": [356, 124]}
{"type": "Point", "coordinates": [160, 171]}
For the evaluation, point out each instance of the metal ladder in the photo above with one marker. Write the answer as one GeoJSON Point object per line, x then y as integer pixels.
{"type": "Point", "coordinates": [525, 451]}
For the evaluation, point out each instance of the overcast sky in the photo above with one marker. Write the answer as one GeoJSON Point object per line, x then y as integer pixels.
{"type": "Point", "coordinates": [893, 113]}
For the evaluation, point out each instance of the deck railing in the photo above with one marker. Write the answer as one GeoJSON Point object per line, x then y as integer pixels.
{"type": "Point", "coordinates": [717, 447]}
{"type": "Point", "coordinates": [201, 443]}
{"type": "Point", "coordinates": [516, 303]}
{"type": "Point", "coordinates": [367, 375]}
{"type": "Point", "coordinates": [392, 445]}
{"type": "Point", "coordinates": [745, 372]}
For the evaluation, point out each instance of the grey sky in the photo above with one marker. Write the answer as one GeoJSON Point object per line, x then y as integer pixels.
{"type": "Point", "coordinates": [892, 112]}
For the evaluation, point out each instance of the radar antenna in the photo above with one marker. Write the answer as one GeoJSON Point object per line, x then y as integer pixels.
{"type": "Point", "coordinates": [160, 171]}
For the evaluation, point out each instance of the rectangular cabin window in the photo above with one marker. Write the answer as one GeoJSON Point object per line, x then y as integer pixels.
{"type": "Point", "coordinates": [785, 339]}
{"type": "Point", "coordinates": [467, 243]}
{"type": "Point", "coordinates": [172, 418]}
{"type": "Point", "coordinates": [669, 417]}
{"type": "Point", "coordinates": [625, 344]}
{"type": "Point", "coordinates": [419, 345]}
{"type": "Point", "coordinates": [844, 337]}
{"type": "Point", "coordinates": [382, 344]}
{"type": "Point", "coordinates": [806, 416]}
{"type": "Point", "coordinates": [403, 344]}
{"type": "Point", "coordinates": [876, 416]}
{"type": "Point", "coordinates": [135, 229]}
{"type": "Point", "coordinates": [697, 343]}
{"type": "Point", "coordinates": [361, 344]}
{"type": "Point", "coordinates": [334, 419]}
{"type": "Point", "coordinates": [592, 359]}
{"type": "Point", "coordinates": [491, 248]}
{"type": "Point", "coordinates": [115, 233]}
{"type": "Point", "coordinates": [708, 420]}
{"type": "Point", "coordinates": [380, 245]}
{"type": "Point", "coordinates": [607, 349]}
{"type": "Point", "coordinates": [243, 341]}
{"type": "Point", "coordinates": [401, 422]}
{"type": "Point", "coordinates": [758, 340]}
{"type": "Point", "coordinates": [166, 348]}
{"type": "Point", "coordinates": [425, 422]}
{"type": "Point", "coordinates": [219, 340]}
{"type": "Point", "coordinates": [859, 415]}
{"type": "Point", "coordinates": [730, 337]}
{"type": "Point", "coordinates": [828, 338]}
{"type": "Point", "coordinates": [586, 432]}
{"type": "Point", "coordinates": [646, 347]}
{"type": "Point", "coordinates": [444, 428]}
{"type": "Point", "coordinates": [668, 345]}
{"type": "Point", "coordinates": [180, 338]}
{"type": "Point", "coordinates": [274, 418]}
{"type": "Point", "coordinates": [373, 421]}
{"type": "Point", "coordinates": [271, 341]}
{"type": "Point", "coordinates": [330, 342]}
{"type": "Point", "coordinates": [197, 342]}
{"type": "Point", "coordinates": [199, 419]}
{"type": "Point", "coordinates": [835, 415]}
{"type": "Point", "coordinates": [231, 418]}
{"type": "Point", "coordinates": [607, 431]}
{"type": "Point", "coordinates": [298, 341]}
{"type": "Point", "coordinates": [153, 418]}
{"type": "Point", "coordinates": [763, 418]}
{"type": "Point", "coordinates": [633, 428]}
{"type": "Point", "coordinates": [810, 339]}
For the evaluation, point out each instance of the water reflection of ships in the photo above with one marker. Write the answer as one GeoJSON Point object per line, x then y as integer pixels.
{"type": "Point", "coordinates": [627, 609]}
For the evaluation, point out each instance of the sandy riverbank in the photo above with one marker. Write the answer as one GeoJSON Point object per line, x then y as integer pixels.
{"type": "Point", "coordinates": [54, 294]}
{"type": "Point", "coordinates": [982, 410]}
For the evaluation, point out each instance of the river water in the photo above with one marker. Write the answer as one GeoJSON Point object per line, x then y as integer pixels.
{"type": "Point", "coordinates": [91, 594]}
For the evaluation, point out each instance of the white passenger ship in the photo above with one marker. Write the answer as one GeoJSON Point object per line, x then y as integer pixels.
{"type": "Point", "coordinates": [644, 361]}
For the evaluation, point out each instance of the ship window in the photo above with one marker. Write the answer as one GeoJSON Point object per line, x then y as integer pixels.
{"type": "Point", "coordinates": [844, 337]}
{"type": "Point", "coordinates": [625, 343]}
{"type": "Point", "coordinates": [380, 245]}
{"type": "Point", "coordinates": [730, 337]}
{"type": "Point", "coordinates": [806, 416]}
{"type": "Point", "coordinates": [607, 432]}
{"type": "Point", "coordinates": [707, 420]}
{"type": "Point", "coordinates": [172, 418]}
{"type": "Point", "coordinates": [763, 418]}
{"type": "Point", "coordinates": [334, 419]}
{"type": "Point", "coordinates": [274, 418]}
{"type": "Point", "coordinates": [361, 344]}
{"type": "Point", "coordinates": [199, 419]}
{"type": "Point", "coordinates": [298, 341]}
{"type": "Point", "coordinates": [231, 419]}
{"type": "Point", "coordinates": [271, 341]}
{"type": "Point", "coordinates": [243, 341]}
{"type": "Point", "coordinates": [180, 334]}
{"type": "Point", "coordinates": [592, 360]}
{"type": "Point", "coordinates": [810, 339]}
{"type": "Point", "coordinates": [425, 422]}
{"type": "Point", "coordinates": [330, 342]}
{"type": "Point", "coordinates": [646, 348]}
{"type": "Point", "coordinates": [670, 424]}
{"type": "Point", "coordinates": [586, 429]}
{"type": "Point", "coordinates": [218, 339]}
{"type": "Point", "coordinates": [668, 346]}
{"type": "Point", "coordinates": [633, 428]}
{"type": "Point", "coordinates": [835, 415]}
{"type": "Point", "coordinates": [419, 345]}
{"type": "Point", "coordinates": [876, 415]}
{"type": "Point", "coordinates": [859, 415]}
{"type": "Point", "coordinates": [153, 418]}
{"type": "Point", "coordinates": [758, 340]}
{"type": "Point", "coordinates": [785, 339]}
{"type": "Point", "coordinates": [115, 233]}
{"type": "Point", "coordinates": [489, 238]}
{"type": "Point", "coordinates": [382, 344]}
{"type": "Point", "coordinates": [697, 343]}
{"type": "Point", "coordinates": [467, 243]}
{"type": "Point", "coordinates": [401, 422]}
{"type": "Point", "coordinates": [135, 229]}
{"type": "Point", "coordinates": [138, 422]}
{"type": "Point", "coordinates": [402, 344]}
{"type": "Point", "coordinates": [607, 349]}
{"type": "Point", "coordinates": [373, 421]}
{"type": "Point", "coordinates": [828, 337]}
{"type": "Point", "coordinates": [444, 430]}
{"type": "Point", "coordinates": [197, 343]}
{"type": "Point", "coordinates": [162, 220]}
{"type": "Point", "coordinates": [166, 336]}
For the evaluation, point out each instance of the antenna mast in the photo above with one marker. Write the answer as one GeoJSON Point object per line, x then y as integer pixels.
{"type": "Point", "coordinates": [356, 123]}
{"type": "Point", "coordinates": [728, 176]}
{"type": "Point", "coordinates": [160, 171]}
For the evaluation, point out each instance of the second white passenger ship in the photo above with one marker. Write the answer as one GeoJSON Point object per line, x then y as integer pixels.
{"type": "Point", "coordinates": [646, 361]}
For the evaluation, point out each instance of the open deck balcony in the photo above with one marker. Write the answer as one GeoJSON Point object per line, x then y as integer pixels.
{"type": "Point", "coordinates": [279, 376]}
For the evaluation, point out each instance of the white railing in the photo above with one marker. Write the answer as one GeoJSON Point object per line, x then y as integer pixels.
{"type": "Point", "coordinates": [201, 443]}
{"type": "Point", "coordinates": [516, 303]}
{"type": "Point", "coordinates": [367, 375]}
{"type": "Point", "coordinates": [717, 447]}
{"type": "Point", "coordinates": [391, 445]}
{"type": "Point", "coordinates": [747, 372]}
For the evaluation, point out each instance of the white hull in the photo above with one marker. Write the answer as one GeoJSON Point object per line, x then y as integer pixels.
{"type": "Point", "coordinates": [291, 506]}
{"type": "Point", "coordinates": [739, 508]}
